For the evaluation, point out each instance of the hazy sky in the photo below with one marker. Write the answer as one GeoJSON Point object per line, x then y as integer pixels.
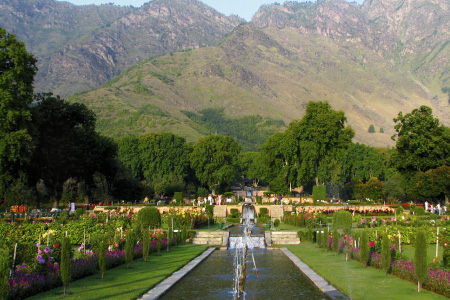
{"type": "Point", "coordinates": [243, 8]}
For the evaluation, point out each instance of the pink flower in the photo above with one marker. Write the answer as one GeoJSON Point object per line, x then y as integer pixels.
{"type": "Point", "coordinates": [371, 244]}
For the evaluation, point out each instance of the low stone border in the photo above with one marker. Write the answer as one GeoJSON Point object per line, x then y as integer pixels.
{"type": "Point", "coordinates": [162, 287]}
{"type": "Point", "coordinates": [321, 283]}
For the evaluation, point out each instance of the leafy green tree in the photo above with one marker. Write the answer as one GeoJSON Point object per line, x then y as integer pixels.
{"type": "Point", "coordinates": [276, 168]}
{"type": "Point", "coordinates": [422, 143]}
{"type": "Point", "coordinates": [361, 162]}
{"type": "Point", "coordinates": [433, 184]}
{"type": "Point", "coordinates": [385, 254]}
{"type": "Point", "coordinates": [364, 248]}
{"type": "Point", "coordinates": [163, 154]}
{"type": "Point", "coordinates": [66, 270]}
{"type": "Point", "coordinates": [420, 261]}
{"type": "Point", "coordinates": [251, 166]}
{"type": "Point", "coordinates": [17, 70]}
{"type": "Point", "coordinates": [67, 145]}
{"type": "Point", "coordinates": [394, 187]}
{"type": "Point", "coordinates": [214, 161]}
{"type": "Point", "coordinates": [371, 128]}
{"type": "Point", "coordinates": [316, 139]}
{"type": "Point", "coordinates": [129, 155]}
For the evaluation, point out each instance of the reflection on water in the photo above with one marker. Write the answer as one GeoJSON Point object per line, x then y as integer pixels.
{"type": "Point", "coordinates": [278, 278]}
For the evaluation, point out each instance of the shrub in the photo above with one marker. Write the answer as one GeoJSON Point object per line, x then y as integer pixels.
{"type": "Point", "coordinates": [385, 254]}
{"type": "Point", "coordinates": [276, 223]}
{"type": "Point", "coordinates": [364, 248]}
{"type": "Point", "coordinates": [421, 259]}
{"type": "Point", "coordinates": [342, 220]}
{"type": "Point", "coordinates": [325, 239]}
{"type": "Point", "coordinates": [129, 248]}
{"type": "Point", "coordinates": [78, 212]}
{"type": "Point", "coordinates": [102, 257]}
{"type": "Point", "coordinates": [178, 196]}
{"type": "Point", "coordinates": [399, 210]}
{"type": "Point", "coordinates": [419, 211]}
{"type": "Point", "coordinates": [4, 274]}
{"type": "Point", "coordinates": [149, 217]}
{"type": "Point", "coordinates": [146, 242]}
{"type": "Point", "coordinates": [319, 238]}
{"type": "Point", "coordinates": [234, 213]}
{"type": "Point", "coordinates": [66, 271]}
{"type": "Point", "coordinates": [319, 192]}
{"type": "Point", "coordinates": [335, 241]}
{"type": "Point", "coordinates": [263, 212]}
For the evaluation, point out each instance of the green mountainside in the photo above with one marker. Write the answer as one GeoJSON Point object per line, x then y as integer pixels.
{"type": "Point", "coordinates": [180, 66]}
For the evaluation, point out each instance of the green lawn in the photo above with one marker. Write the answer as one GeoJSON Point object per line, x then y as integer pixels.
{"type": "Point", "coordinates": [121, 283]}
{"type": "Point", "coordinates": [351, 278]}
{"type": "Point", "coordinates": [409, 252]}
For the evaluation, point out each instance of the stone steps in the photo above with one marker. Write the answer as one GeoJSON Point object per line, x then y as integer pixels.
{"type": "Point", "coordinates": [208, 238]}
{"type": "Point", "coordinates": [284, 238]}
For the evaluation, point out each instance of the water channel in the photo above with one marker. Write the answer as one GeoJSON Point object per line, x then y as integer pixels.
{"type": "Point", "coordinates": [278, 278]}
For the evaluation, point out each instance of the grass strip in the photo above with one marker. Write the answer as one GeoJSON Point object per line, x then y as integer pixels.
{"type": "Point", "coordinates": [122, 283]}
{"type": "Point", "coordinates": [352, 279]}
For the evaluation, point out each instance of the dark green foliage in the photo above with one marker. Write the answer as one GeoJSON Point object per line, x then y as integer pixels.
{"type": "Point", "coordinates": [419, 211]}
{"type": "Point", "coordinates": [371, 128]}
{"type": "Point", "coordinates": [276, 223]}
{"type": "Point", "coordinates": [4, 273]}
{"type": "Point", "coordinates": [17, 70]}
{"type": "Point", "coordinates": [102, 256]}
{"type": "Point", "coordinates": [381, 130]}
{"type": "Point", "coordinates": [159, 242]}
{"type": "Point", "coordinates": [65, 267]}
{"type": "Point", "coordinates": [149, 216]}
{"type": "Point", "coordinates": [335, 241]}
{"type": "Point", "coordinates": [263, 212]}
{"type": "Point", "coordinates": [214, 160]}
{"type": "Point", "coordinates": [422, 143]}
{"type": "Point", "coordinates": [319, 192]}
{"type": "Point", "coordinates": [319, 238]}
{"type": "Point", "coordinates": [178, 196]}
{"type": "Point", "coordinates": [129, 248]}
{"type": "Point", "coordinates": [420, 259]}
{"type": "Point", "coordinates": [78, 212]}
{"type": "Point", "coordinates": [342, 220]}
{"type": "Point", "coordinates": [146, 243]}
{"type": "Point", "coordinates": [385, 253]}
{"type": "Point", "coordinates": [213, 120]}
{"type": "Point", "coordinates": [364, 248]}
{"type": "Point", "coordinates": [325, 239]}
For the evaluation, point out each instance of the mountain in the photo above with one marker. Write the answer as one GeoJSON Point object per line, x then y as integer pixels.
{"type": "Point", "coordinates": [371, 61]}
{"type": "Point", "coordinates": [82, 47]}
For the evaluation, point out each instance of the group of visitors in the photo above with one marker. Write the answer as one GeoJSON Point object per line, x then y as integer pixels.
{"type": "Point", "coordinates": [435, 209]}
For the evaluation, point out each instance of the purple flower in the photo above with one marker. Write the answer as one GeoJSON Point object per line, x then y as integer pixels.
{"type": "Point", "coordinates": [38, 245]}
{"type": "Point", "coordinates": [50, 258]}
{"type": "Point", "coordinates": [47, 250]}
{"type": "Point", "coordinates": [39, 257]}
{"type": "Point", "coordinates": [39, 252]}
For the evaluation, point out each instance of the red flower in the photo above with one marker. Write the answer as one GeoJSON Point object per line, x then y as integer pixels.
{"type": "Point", "coordinates": [56, 246]}
{"type": "Point", "coordinates": [371, 243]}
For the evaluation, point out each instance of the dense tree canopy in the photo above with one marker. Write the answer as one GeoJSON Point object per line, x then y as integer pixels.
{"type": "Point", "coordinates": [155, 155]}
{"type": "Point", "coordinates": [361, 162]}
{"type": "Point", "coordinates": [17, 70]}
{"type": "Point", "coordinates": [214, 161]}
{"type": "Point", "coordinates": [422, 143]}
{"type": "Point", "coordinates": [67, 145]}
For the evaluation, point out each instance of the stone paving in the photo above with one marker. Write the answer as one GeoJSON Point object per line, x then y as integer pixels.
{"type": "Point", "coordinates": [161, 288]}
{"type": "Point", "coordinates": [321, 283]}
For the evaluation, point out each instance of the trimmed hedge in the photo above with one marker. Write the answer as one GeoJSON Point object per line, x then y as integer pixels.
{"type": "Point", "coordinates": [149, 216]}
